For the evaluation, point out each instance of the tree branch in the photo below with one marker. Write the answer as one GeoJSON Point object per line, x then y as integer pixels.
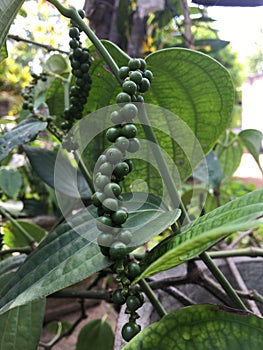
{"type": "Point", "coordinates": [49, 48]}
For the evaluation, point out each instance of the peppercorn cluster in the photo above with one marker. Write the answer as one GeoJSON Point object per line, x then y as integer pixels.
{"type": "Point", "coordinates": [111, 168]}
{"type": "Point", "coordinates": [80, 63]}
{"type": "Point", "coordinates": [28, 92]}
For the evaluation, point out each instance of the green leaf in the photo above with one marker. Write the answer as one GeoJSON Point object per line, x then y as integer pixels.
{"type": "Point", "coordinates": [10, 181]}
{"type": "Point", "coordinates": [199, 327]}
{"type": "Point", "coordinates": [238, 215]}
{"type": "Point", "coordinates": [70, 253]}
{"type": "Point", "coordinates": [229, 152]}
{"type": "Point", "coordinates": [8, 11]}
{"type": "Point", "coordinates": [23, 132]}
{"type": "Point", "coordinates": [45, 163]}
{"type": "Point", "coordinates": [21, 326]}
{"type": "Point", "coordinates": [98, 334]}
{"type": "Point", "coordinates": [57, 64]}
{"type": "Point", "coordinates": [13, 237]}
{"type": "Point", "coordinates": [194, 87]}
{"type": "Point", "coordinates": [252, 139]}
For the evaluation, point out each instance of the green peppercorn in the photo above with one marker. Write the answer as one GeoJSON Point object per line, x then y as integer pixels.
{"type": "Point", "coordinates": [112, 190]}
{"type": "Point", "coordinates": [134, 63]}
{"type": "Point", "coordinates": [121, 170]}
{"type": "Point", "coordinates": [134, 145]}
{"type": "Point", "coordinates": [105, 239]}
{"type": "Point", "coordinates": [130, 87]}
{"type": "Point", "coordinates": [133, 303]}
{"type": "Point", "coordinates": [122, 143]}
{"type": "Point", "coordinates": [118, 250]}
{"type": "Point", "coordinates": [116, 117]}
{"type": "Point", "coordinates": [112, 134]}
{"type": "Point", "coordinates": [114, 155]}
{"type": "Point", "coordinates": [123, 98]}
{"type": "Point", "coordinates": [143, 64]}
{"type": "Point", "coordinates": [133, 270]}
{"type": "Point", "coordinates": [106, 169]}
{"type": "Point", "coordinates": [129, 330]}
{"type": "Point", "coordinates": [97, 199]}
{"type": "Point", "coordinates": [74, 44]}
{"type": "Point", "coordinates": [119, 217]}
{"type": "Point", "coordinates": [144, 86]}
{"type": "Point", "coordinates": [129, 131]}
{"type": "Point", "coordinates": [104, 224]}
{"type": "Point", "coordinates": [110, 205]}
{"type": "Point", "coordinates": [148, 74]}
{"type": "Point", "coordinates": [118, 298]}
{"type": "Point", "coordinates": [136, 76]}
{"type": "Point", "coordinates": [101, 180]}
{"type": "Point", "coordinates": [74, 32]}
{"type": "Point", "coordinates": [129, 112]}
{"type": "Point", "coordinates": [123, 72]}
{"type": "Point", "coordinates": [125, 236]}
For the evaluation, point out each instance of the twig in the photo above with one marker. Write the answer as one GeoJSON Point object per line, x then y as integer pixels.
{"type": "Point", "coordinates": [251, 294]}
{"type": "Point", "coordinates": [251, 251]}
{"type": "Point", "coordinates": [49, 48]}
{"type": "Point", "coordinates": [23, 250]}
{"type": "Point", "coordinates": [242, 285]}
{"type": "Point", "coordinates": [68, 332]}
{"type": "Point", "coordinates": [83, 294]}
{"type": "Point", "coordinates": [180, 296]}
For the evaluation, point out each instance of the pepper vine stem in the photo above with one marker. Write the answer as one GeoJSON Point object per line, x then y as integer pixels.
{"type": "Point", "coordinates": [152, 297]}
{"type": "Point", "coordinates": [74, 15]}
{"type": "Point", "coordinates": [149, 133]}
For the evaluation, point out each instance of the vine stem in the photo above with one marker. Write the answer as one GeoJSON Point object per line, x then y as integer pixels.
{"type": "Point", "coordinates": [152, 297]}
{"type": "Point", "coordinates": [149, 133]}
{"type": "Point", "coordinates": [223, 281]}
{"type": "Point", "coordinates": [74, 15]}
{"type": "Point", "coordinates": [30, 240]}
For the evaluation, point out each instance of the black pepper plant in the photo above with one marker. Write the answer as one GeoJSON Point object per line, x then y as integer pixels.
{"type": "Point", "coordinates": [106, 233]}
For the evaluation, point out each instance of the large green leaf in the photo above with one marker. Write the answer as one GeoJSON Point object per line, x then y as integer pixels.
{"type": "Point", "coordinates": [194, 87]}
{"type": "Point", "coordinates": [8, 11]}
{"type": "Point", "coordinates": [70, 253]}
{"type": "Point", "coordinates": [252, 139]}
{"type": "Point", "coordinates": [98, 334]}
{"type": "Point", "coordinates": [68, 180]}
{"type": "Point", "coordinates": [229, 151]}
{"type": "Point", "coordinates": [23, 132]}
{"type": "Point", "coordinates": [201, 327]}
{"type": "Point", "coordinates": [20, 328]}
{"type": "Point", "coordinates": [241, 214]}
